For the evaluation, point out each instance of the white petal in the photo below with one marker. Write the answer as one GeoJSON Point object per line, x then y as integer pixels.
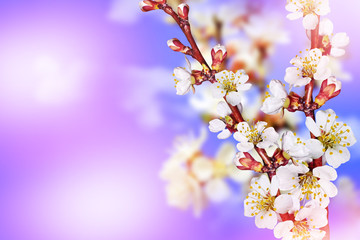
{"type": "Point", "coordinates": [224, 134]}
{"type": "Point", "coordinates": [264, 181]}
{"type": "Point", "coordinates": [337, 52]}
{"type": "Point", "coordinates": [223, 109]}
{"type": "Point", "coordinates": [217, 90]}
{"type": "Point", "coordinates": [243, 87]}
{"type": "Point", "coordinates": [181, 74]}
{"type": "Point", "coordinates": [294, 77]}
{"type": "Point", "coordinates": [340, 40]}
{"type": "Point", "coordinates": [216, 125]}
{"type": "Point", "coordinates": [318, 216]}
{"type": "Point", "coordinates": [297, 62]}
{"type": "Point", "coordinates": [274, 186]}
{"type": "Point", "coordinates": [243, 126]}
{"type": "Point", "coordinates": [272, 105]}
{"type": "Point", "coordinates": [291, 7]}
{"type": "Point", "coordinates": [323, 8]}
{"type": "Point", "coordinates": [241, 76]}
{"type": "Point", "coordinates": [240, 137]}
{"type": "Point", "coordinates": [260, 126]}
{"type": "Point", "coordinates": [266, 219]}
{"type": "Point", "coordinates": [328, 187]}
{"type": "Point", "coordinates": [245, 146]}
{"type": "Point", "coordinates": [335, 158]}
{"type": "Point", "coordinates": [295, 15]}
{"type": "Point", "coordinates": [217, 190]}
{"type": "Point", "coordinates": [222, 75]}
{"type": "Point", "coordinates": [202, 168]}
{"type": "Point", "coordinates": [283, 203]}
{"type": "Point", "coordinates": [325, 173]}
{"type": "Point", "coordinates": [270, 135]}
{"type": "Point", "coordinates": [183, 87]}
{"type": "Point", "coordinates": [287, 178]}
{"type": "Point", "coordinates": [325, 119]}
{"type": "Point", "coordinates": [313, 128]}
{"type": "Point", "coordinates": [326, 27]}
{"type": "Point", "coordinates": [234, 98]}
{"type": "Point", "coordinates": [323, 71]}
{"type": "Point", "coordinates": [310, 21]}
{"type": "Point", "coordinates": [315, 147]}
{"type": "Point", "coordinates": [283, 229]}
{"type": "Point", "coordinates": [277, 89]}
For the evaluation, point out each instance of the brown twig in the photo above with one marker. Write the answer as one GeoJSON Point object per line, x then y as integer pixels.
{"type": "Point", "coordinates": [185, 27]}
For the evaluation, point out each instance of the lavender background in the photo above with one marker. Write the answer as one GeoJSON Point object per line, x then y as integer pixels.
{"type": "Point", "coordinates": [88, 112]}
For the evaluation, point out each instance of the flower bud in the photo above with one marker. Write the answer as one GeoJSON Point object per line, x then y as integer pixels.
{"type": "Point", "coordinates": [177, 46]}
{"type": "Point", "coordinates": [247, 162]}
{"type": "Point", "coordinates": [218, 54]}
{"type": "Point", "coordinates": [330, 88]}
{"type": "Point", "coordinates": [149, 5]}
{"type": "Point", "coordinates": [183, 11]}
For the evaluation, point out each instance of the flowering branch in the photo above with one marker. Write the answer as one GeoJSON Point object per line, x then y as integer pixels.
{"type": "Point", "coordinates": [297, 187]}
{"type": "Point", "coordinates": [184, 24]}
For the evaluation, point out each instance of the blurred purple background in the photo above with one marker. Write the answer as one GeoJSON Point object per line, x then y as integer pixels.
{"type": "Point", "coordinates": [88, 112]}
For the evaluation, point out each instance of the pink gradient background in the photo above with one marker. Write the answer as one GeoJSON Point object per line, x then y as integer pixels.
{"type": "Point", "coordinates": [78, 159]}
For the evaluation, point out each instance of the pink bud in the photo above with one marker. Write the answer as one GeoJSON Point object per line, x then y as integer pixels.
{"type": "Point", "coordinates": [247, 162]}
{"type": "Point", "coordinates": [149, 5]}
{"type": "Point", "coordinates": [330, 88]}
{"type": "Point", "coordinates": [183, 11]}
{"type": "Point", "coordinates": [218, 54]}
{"type": "Point", "coordinates": [177, 46]}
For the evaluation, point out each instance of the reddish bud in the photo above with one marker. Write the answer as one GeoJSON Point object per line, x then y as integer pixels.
{"type": "Point", "coordinates": [149, 5]}
{"type": "Point", "coordinates": [247, 162]}
{"type": "Point", "coordinates": [177, 46]}
{"type": "Point", "coordinates": [218, 54]}
{"type": "Point", "coordinates": [330, 88]}
{"type": "Point", "coordinates": [183, 11]}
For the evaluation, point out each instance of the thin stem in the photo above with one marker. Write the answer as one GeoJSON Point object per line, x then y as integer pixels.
{"type": "Point", "coordinates": [265, 158]}
{"type": "Point", "coordinates": [185, 27]}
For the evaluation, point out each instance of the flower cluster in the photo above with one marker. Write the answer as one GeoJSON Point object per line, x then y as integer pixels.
{"type": "Point", "coordinates": [194, 179]}
{"type": "Point", "coordinates": [295, 176]}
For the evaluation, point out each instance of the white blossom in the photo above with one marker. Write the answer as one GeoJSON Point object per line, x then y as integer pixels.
{"type": "Point", "coordinates": [184, 149]}
{"type": "Point", "coordinates": [312, 65]}
{"type": "Point", "coordinates": [306, 224]}
{"type": "Point", "coordinates": [262, 202]}
{"type": "Point", "coordinates": [185, 191]}
{"type": "Point", "coordinates": [337, 41]}
{"type": "Point", "coordinates": [274, 104]}
{"type": "Point", "coordinates": [183, 79]}
{"type": "Point", "coordinates": [334, 136]}
{"type": "Point", "coordinates": [230, 84]}
{"type": "Point", "coordinates": [306, 184]}
{"type": "Point", "coordinates": [309, 9]}
{"type": "Point", "coordinates": [298, 149]}
{"type": "Point", "coordinates": [256, 135]}
{"type": "Point", "coordinates": [213, 173]}
{"type": "Point", "coordinates": [218, 125]}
